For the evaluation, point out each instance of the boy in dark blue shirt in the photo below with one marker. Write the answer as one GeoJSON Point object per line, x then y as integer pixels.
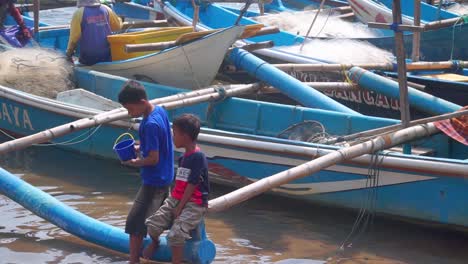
{"type": "Point", "coordinates": [155, 160]}
{"type": "Point", "coordinates": [188, 202]}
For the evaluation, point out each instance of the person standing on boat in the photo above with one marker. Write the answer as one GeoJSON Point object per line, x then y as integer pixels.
{"type": "Point", "coordinates": [8, 6]}
{"type": "Point", "coordinates": [90, 26]}
{"type": "Point", "coordinates": [155, 160]}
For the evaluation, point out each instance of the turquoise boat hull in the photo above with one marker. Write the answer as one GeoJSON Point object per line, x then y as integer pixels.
{"type": "Point", "coordinates": [418, 193]}
{"type": "Point", "coordinates": [240, 138]}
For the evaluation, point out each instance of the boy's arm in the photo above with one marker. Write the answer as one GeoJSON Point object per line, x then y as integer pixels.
{"type": "Point", "coordinates": [189, 189]}
{"type": "Point", "coordinates": [152, 144]}
{"type": "Point", "coordinates": [151, 160]}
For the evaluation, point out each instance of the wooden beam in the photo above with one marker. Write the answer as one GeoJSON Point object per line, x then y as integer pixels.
{"type": "Point", "coordinates": [37, 7]}
{"type": "Point", "coordinates": [144, 24]}
{"type": "Point", "coordinates": [400, 52]}
{"type": "Point", "coordinates": [416, 35]}
{"type": "Point", "coordinates": [400, 26]}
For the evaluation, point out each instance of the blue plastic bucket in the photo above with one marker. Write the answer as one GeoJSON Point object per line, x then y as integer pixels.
{"type": "Point", "coordinates": [125, 149]}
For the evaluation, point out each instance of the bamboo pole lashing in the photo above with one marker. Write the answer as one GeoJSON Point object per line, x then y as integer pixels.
{"type": "Point", "coordinates": [169, 102]}
{"type": "Point", "coordinates": [382, 142]}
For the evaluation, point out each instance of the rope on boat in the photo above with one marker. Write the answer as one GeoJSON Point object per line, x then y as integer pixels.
{"type": "Point", "coordinates": [209, 110]}
{"type": "Point", "coordinates": [313, 22]}
{"type": "Point", "coordinates": [366, 214]}
{"type": "Point", "coordinates": [194, 78]}
{"type": "Point", "coordinates": [330, 11]}
{"type": "Point", "coordinates": [64, 143]}
{"type": "Point", "coordinates": [463, 19]}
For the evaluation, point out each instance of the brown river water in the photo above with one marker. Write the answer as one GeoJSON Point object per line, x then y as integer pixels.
{"type": "Point", "coordinates": [267, 229]}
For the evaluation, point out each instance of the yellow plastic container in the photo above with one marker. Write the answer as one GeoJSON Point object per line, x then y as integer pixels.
{"type": "Point", "coordinates": [117, 42]}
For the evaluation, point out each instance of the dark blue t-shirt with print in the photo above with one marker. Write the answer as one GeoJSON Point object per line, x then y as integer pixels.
{"type": "Point", "coordinates": [155, 135]}
{"type": "Point", "coordinates": [193, 169]}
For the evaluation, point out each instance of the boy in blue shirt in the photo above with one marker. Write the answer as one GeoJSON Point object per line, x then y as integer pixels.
{"type": "Point", "coordinates": [185, 208]}
{"type": "Point", "coordinates": [155, 160]}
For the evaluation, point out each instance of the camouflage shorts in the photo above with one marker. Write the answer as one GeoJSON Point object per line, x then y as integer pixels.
{"type": "Point", "coordinates": [180, 228]}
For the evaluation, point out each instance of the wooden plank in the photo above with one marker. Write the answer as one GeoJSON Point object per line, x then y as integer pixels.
{"type": "Point", "coordinates": [400, 52]}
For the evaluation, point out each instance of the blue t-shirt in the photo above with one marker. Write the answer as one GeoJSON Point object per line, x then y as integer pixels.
{"type": "Point", "coordinates": [155, 134]}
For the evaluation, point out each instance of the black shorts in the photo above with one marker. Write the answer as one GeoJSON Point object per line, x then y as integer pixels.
{"type": "Point", "coordinates": [147, 201]}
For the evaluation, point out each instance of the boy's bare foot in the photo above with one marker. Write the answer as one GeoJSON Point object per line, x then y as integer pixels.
{"type": "Point", "coordinates": [148, 252]}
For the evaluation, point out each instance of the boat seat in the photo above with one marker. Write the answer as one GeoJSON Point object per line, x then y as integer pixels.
{"type": "Point", "coordinates": [87, 99]}
{"type": "Point", "coordinates": [448, 77]}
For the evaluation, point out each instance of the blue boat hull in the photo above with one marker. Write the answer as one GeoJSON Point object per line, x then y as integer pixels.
{"type": "Point", "coordinates": [365, 102]}
{"type": "Point", "coordinates": [417, 194]}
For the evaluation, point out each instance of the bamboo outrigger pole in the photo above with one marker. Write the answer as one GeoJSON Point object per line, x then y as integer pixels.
{"type": "Point", "coordinates": [387, 129]}
{"type": "Point", "coordinates": [169, 102]}
{"type": "Point", "coordinates": [320, 86]}
{"type": "Point", "coordinates": [371, 146]}
{"type": "Point", "coordinates": [196, 13]}
{"type": "Point", "coordinates": [415, 66]}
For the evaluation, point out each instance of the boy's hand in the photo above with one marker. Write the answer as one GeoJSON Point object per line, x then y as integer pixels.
{"type": "Point", "coordinates": [177, 211]}
{"type": "Point", "coordinates": [132, 162]}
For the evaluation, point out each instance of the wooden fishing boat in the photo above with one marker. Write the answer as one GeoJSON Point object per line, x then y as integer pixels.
{"type": "Point", "coordinates": [448, 40]}
{"type": "Point", "coordinates": [248, 140]}
{"type": "Point", "coordinates": [182, 12]}
{"type": "Point", "coordinates": [192, 65]}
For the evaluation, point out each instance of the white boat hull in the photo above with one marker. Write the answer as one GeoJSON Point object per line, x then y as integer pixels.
{"type": "Point", "coordinates": [191, 66]}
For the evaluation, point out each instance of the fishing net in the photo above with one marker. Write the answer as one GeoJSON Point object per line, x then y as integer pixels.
{"type": "Point", "coordinates": [328, 24]}
{"type": "Point", "coordinates": [307, 131]}
{"type": "Point", "coordinates": [37, 71]}
{"type": "Point", "coordinates": [342, 50]}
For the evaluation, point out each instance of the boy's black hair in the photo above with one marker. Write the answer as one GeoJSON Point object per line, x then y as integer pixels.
{"type": "Point", "coordinates": [188, 124]}
{"type": "Point", "coordinates": [132, 92]}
